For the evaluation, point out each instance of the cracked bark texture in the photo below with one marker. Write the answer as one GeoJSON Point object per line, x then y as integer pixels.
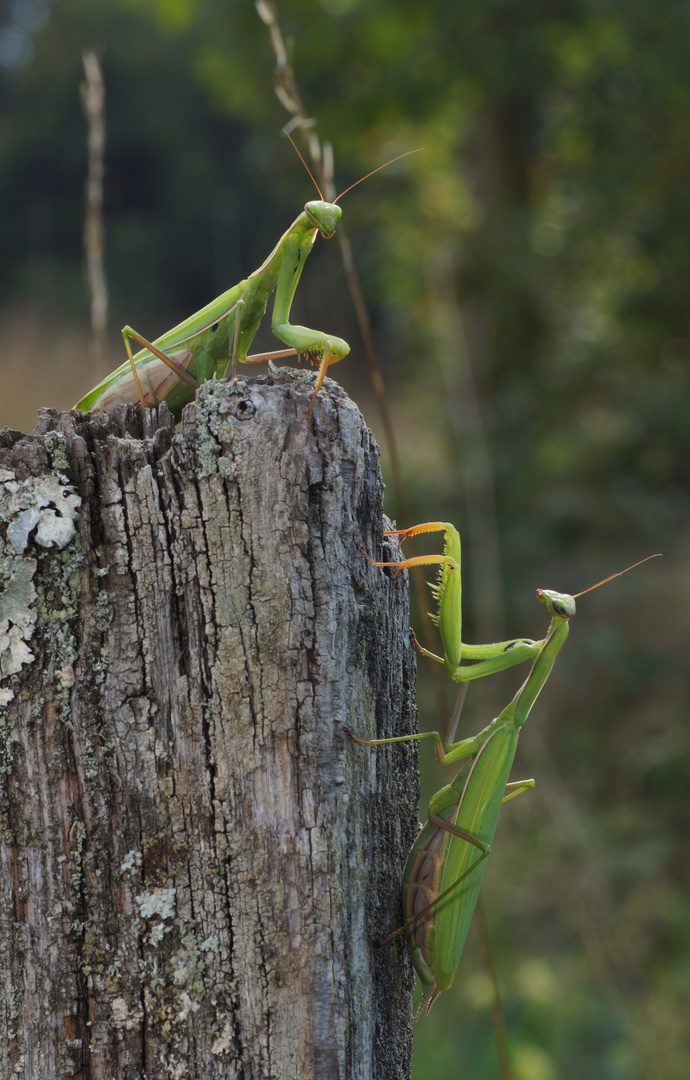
{"type": "Point", "coordinates": [195, 858]}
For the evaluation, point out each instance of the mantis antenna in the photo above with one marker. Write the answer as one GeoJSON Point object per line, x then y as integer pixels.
{"type": "Point", "coordinates": [365, 177]}
{"type": "Point", "coordinates": [299, 155]}
{"type": "Point", "coordinates": [611, 577]}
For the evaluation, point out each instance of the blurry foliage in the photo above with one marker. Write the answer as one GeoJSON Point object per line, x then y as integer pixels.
{"type": "Point", "coordinates": [529, 277]}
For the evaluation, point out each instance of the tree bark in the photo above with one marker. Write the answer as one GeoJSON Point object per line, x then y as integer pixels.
{"type": "Point", "coordinates": [196, 860]}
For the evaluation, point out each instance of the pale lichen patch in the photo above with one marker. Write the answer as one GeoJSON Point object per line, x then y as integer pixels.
{"type": "Point", "coordinates": [224, 1043]}
{"type": "Point", "coordinates": [157, 904]}
{"type": "Point", "coordinates": [17, 614]}
{"type": "Point", "coordinates": [40, 510]}
{"type": "Point", "coordinates": [160, 902]}
{"type": "Point", "coordinates": [122, 1016]}
{"type": "Point", "coordinates": [189, 967]}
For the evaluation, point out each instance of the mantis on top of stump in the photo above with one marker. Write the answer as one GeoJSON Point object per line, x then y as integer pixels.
{"type": "Point", "coordinates": [172, 367]}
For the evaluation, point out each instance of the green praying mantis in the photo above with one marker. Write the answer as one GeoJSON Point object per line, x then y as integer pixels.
{"type": "Point", "coordinates": [445, 867]}
{"type": "Point", "coordinates": [172, 367]}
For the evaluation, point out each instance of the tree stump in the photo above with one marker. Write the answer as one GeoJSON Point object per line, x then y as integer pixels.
{"type": "Point", "coordinates": [196, 860]}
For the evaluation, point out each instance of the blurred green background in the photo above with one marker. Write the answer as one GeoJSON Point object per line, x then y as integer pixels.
{"type": "Point", "coordinates": [528, 277]}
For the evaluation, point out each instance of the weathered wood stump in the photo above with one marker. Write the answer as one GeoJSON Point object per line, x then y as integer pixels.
{"type": "Point", "coordinates": [195, 858]}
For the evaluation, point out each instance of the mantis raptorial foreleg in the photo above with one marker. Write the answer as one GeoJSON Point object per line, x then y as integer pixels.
{"type": "Point", "coordinates": [488, 659]}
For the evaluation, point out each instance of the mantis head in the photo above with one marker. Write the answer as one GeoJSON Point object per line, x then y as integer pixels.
{"type": "Point", "coordinates": [324, 216]}
{"type": "Point", "coordinates": [557, 604]}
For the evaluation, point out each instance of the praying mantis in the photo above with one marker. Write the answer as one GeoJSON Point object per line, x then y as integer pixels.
{"type": "Point", "coordinates": [446, 865]}
{"type": "Point", "coordinates": [172, 367]}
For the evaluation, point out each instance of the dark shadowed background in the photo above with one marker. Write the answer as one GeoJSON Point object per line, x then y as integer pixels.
{"type": "Point", "coordinates": [528, 276]}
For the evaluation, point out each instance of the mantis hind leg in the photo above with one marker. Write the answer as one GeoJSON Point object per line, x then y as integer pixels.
{"type": "Point", "coordinates": [514, 788]}
{"type": "Point", "coordinates": [127, 333]}
{"type": "Point", "coordinates": [272, 354]}
{"type": "Point", "coordinates": [235, 340]}
{"type": "Point", "coordinates": [485, 850]}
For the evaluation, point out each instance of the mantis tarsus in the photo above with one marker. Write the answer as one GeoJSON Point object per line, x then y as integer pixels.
{"type": "Point", "coordinates": [172, 367]}
{"type": "Point", "coordinates": [446, 865]}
